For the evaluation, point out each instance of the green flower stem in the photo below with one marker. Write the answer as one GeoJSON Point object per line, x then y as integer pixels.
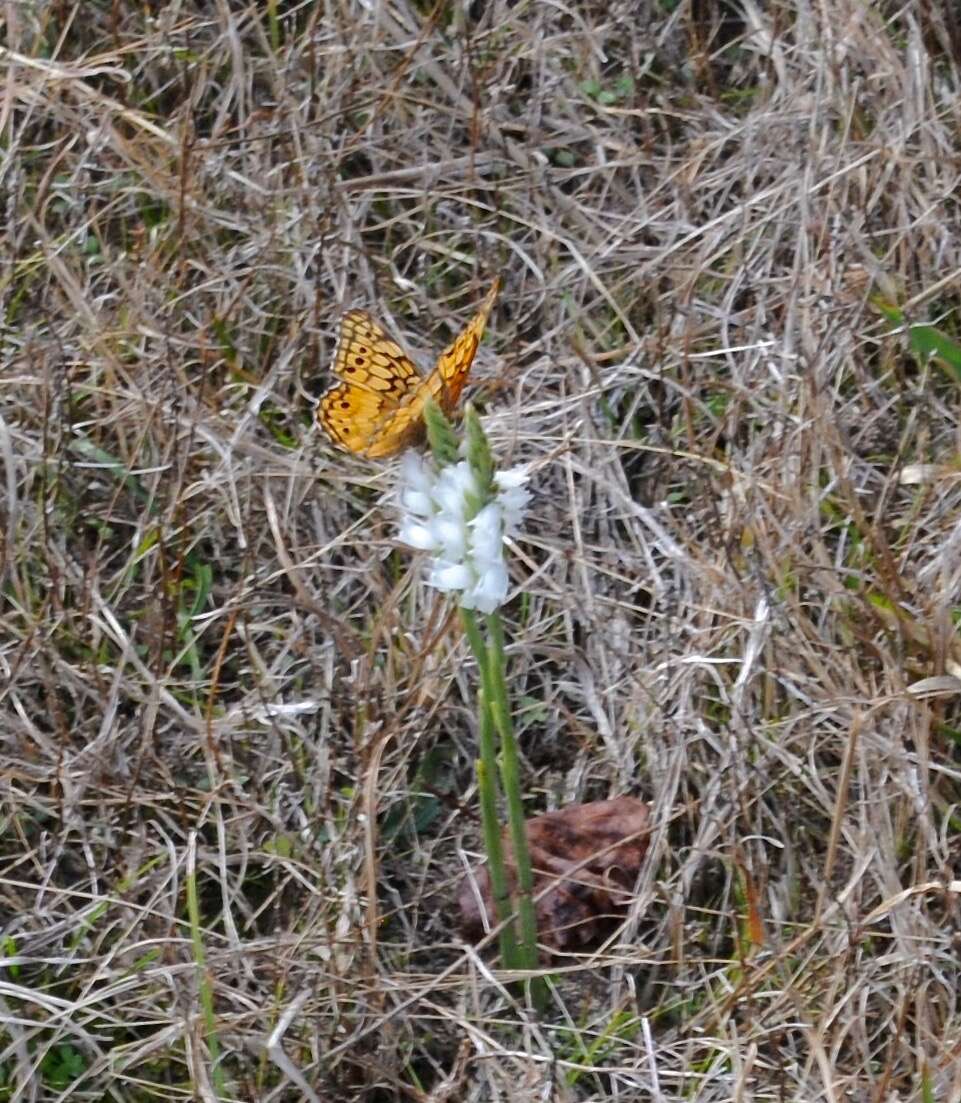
{"type": "Point", "coordinates": [487, 773]}
{"type": "Point", "coordinates": [500, 890]}
{"type": "Point", "coordinates": [510, 779]}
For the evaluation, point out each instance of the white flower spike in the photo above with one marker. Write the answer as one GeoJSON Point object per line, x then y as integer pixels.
{"type": "Point", "coordinates": [467, 551]}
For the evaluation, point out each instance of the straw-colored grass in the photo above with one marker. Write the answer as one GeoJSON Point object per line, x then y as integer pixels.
{"type": "Point", "coordinates": [238, 732]}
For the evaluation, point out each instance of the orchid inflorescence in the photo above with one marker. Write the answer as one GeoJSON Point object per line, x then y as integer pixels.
{"type": "Point", "coordinates": [446, 512]}
{"type": "Point", "coordinates": [457, 507]}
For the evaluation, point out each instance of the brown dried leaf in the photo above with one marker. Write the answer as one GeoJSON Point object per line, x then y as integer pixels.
{"type": "Point", "coordinates": [585, 858]}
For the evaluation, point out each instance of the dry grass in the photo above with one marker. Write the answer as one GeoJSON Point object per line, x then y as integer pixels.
{"type": "Point", "coordinates": [237, 730]}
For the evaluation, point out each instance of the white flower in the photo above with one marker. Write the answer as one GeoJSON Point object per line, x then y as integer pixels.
{"type": "Point", "coordinates": [468, 552]}
{"type": "Point", "coordinates": [417, 535]}
{"type": "Point", "coordinates": [489, 591]}
{"type": "Point", "coordinates": [449, 576]}
{"type": "Point", "coordinates": [416, 502]}
{"type": "Point", "coordinates": [415, 472]}
{"type": "Point", "coordinates": [487, 532]}
{"type": "Point", "coordinates": [511, 495]}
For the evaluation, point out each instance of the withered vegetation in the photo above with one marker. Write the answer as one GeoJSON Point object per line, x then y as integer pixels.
{"type": "Point", "coordinates": [237, 732]}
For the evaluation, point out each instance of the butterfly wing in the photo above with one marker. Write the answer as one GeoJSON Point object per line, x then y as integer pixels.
{"type": "Point", "coordinates": [444, 385]}
{"type": "Point", "coordinates": [366, 357]}
{"type": "Point", "coordinates": [351, 415]}
{"type": "Point", "coordinates": [446, 381]}
{"type": "Point", "coordinates": [402, 428]}
{"type": "Point", "coordinates": [377, 377]}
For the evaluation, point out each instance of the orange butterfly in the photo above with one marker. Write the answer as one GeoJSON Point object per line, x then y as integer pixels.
{"type": "Point", "coordinates": [378, 407]}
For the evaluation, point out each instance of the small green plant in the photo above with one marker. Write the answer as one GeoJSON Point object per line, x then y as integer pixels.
{"type": "Point", "coordinates": [607, 95]}
{"type": "Point", "coordinates": [622, 1026]}
{"type": "Point", "coordinates": [8, 948]}
{"type": "Point", "coordinates": [926, 342]}
{"type": "Point", "coordinates": [61, 1066]}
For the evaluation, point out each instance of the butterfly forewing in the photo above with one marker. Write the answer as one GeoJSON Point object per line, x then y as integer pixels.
{"type": "Point", "coordinates": [368, 358]}
{"type": "Point", "coordinates": [447, 380]}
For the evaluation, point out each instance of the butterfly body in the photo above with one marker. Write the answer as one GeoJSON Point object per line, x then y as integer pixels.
{"type": "Point", "coordinates": [377, 408]}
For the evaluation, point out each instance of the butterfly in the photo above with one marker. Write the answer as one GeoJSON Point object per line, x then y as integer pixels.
{"type": "Point", "coordinates": [377, 408]}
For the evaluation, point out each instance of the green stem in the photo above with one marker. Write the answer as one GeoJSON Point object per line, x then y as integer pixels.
{"type": "Point", "coordinates": [487, 773]}
{"type": "Point", "coordinates": [510, 779]}
{"type": "Point", "coordinates": [500, 890]}
{"type": "Point", "coordinates": [475, 639]}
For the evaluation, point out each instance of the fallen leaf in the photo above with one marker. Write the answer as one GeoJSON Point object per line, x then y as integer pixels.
{"type": "Point", "coordinates": [585, 858]}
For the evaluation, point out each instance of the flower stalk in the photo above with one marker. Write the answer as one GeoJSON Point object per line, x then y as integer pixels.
{"type": "Point", "coordinates": [461, 513]}
{"type": "Point", "coordinates": [517, 952]}
{"type": "Point", "coordinates": [510, 780]}
{"type": "Point", "coordinates": [486, 769]}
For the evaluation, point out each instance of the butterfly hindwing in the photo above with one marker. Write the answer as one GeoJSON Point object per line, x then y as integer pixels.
{"type": "Point", "coordinates": [348, 412]}
{"type": "Point", "coordinates": [402, 428]}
